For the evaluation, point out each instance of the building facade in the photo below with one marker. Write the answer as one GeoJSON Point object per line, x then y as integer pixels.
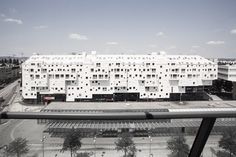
{"type": "Point", "coordinates": [227, 71]}
{"type": "Point", "coordinates": [92, 76]}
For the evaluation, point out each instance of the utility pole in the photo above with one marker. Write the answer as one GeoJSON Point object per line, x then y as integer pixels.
{"type": "Point", "coordinates": [43, 139]}
{"type": "Point", "coordinates": [94, 142]}
{"type": "Point", "coordinates": [150, 146]}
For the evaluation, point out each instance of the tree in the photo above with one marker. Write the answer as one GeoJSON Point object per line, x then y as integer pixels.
{"type": "Point", "coordinates": [18, 147]}
{"type": "Point", "coordinates": [178, 147]}
{"type": "Point", "coordinates": [126, 144]}
{"type": "Point", "coordinates": [72, 141]}
{"type": "Point", "coordinates": [14, 61]}
{"type": "Point", "coordinates": [17, 62]}
{"type": "Point", "coordinates": [228, 143]}
{"type": "Point", "coordinates": [10, 61]}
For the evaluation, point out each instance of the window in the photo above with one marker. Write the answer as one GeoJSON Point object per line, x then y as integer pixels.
{"type": "Point", "coordinates": [94, 76]}
{"type": "Point", "coordinates": [98, 64]}
{"type": "Point", "coordinates": [117, 76]}
{"type": "Point", "coordinates": [100, 76]}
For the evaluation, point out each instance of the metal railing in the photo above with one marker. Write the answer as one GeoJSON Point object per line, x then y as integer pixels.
{"type": "Point", "coordinates": [208, 120]}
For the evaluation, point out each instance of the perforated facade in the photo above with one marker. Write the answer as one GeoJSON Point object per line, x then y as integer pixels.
{"type": "Point", "coordinates": [83, 76]}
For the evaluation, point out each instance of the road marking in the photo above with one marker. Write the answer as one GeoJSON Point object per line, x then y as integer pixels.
{"type": "Point", "coordinates": [13, 130]}
{"type": "Point", "coordinates": [5, 122]}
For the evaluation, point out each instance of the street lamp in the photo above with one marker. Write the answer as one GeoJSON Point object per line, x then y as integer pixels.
{"type": "Point", "coordinates": [5, 150]}
{"type": "Point", "coordinates": [43, 139]}
{"type": "Point", "coordinates": [94, 142]}
{"type": "Point", "coordinates": [150, 146]}
{"type": "Point", "coordinates": [180, 99]}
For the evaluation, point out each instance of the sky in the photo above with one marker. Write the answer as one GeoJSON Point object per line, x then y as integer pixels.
{"type": "Point", "coordinates": [199, 27]}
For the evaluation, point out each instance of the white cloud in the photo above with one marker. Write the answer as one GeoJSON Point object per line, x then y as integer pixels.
{"type": "Point", "coordinates": [112, 43]}
{"type": "Point", "coordinates": [233, 31]}
{"type": "Point", "coordinates": [77, 36]}
{"type": "Point", "coordinates": [40, 27]}
{"type": "Point", "coordinates": [18, 21]}
{"type": "Point", "coordinates": [160, 34]}
{"type": "Point", "coordinates": [215, 42]}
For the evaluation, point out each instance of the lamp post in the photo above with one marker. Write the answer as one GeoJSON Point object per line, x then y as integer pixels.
{"type": "Point", "coordinates": [94, 143]}
{"type": "Point", "coordinates": [4, 150]}
{"type": "Point", "coordinates": [180, 99]}
{"type": "Point", "coordinates": [150, 146]}
{"type": "Point", "coordinates": [43, 139]}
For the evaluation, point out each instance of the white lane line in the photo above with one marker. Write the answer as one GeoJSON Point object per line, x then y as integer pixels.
{"type": "Point", "coordinates": [5, 123]}
{"type": "Point", "coordinates": [13, 130]}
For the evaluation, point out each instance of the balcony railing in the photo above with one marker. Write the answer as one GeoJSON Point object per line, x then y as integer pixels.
{"type": "Point", "coordinates": [207, 123]}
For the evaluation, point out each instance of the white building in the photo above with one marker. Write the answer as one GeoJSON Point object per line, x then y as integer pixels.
{"type": "Point", "coordinates": [227, 71]}
{"type": "Point", "coordinates": [78, 77]}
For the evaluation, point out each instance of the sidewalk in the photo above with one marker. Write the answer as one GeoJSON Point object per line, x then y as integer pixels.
{"type": "Point", "coordinates": [16, 104]}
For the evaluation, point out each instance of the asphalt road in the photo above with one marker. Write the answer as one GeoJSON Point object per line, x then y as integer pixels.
{"type": "Point", "coordinates": [8, 89]}
{"type": "Point", "coordinates": [5, 131]}
{"type": "Point", "coordinates": [7, 94]}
